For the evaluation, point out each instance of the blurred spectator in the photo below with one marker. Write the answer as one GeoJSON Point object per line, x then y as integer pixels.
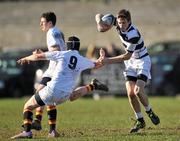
{"type": "Point", "coordinates": [91, 52]}
{"type": "Point", "coordinates": [112, 50]}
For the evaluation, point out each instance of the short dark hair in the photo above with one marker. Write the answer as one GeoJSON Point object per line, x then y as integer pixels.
{"type": "Point", "coordinates": [49, 16]}
{"type": "Point", "coordinates": [73, 43]}
{"type": "Point", "coordinates": [124, 14]}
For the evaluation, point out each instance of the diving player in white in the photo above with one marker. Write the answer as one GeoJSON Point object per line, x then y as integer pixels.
{"type": "Point", "coordinates": [69, 66]}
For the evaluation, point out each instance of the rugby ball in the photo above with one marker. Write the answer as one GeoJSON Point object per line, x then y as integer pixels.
{"type": "Point", "coordinates": [108, 19]}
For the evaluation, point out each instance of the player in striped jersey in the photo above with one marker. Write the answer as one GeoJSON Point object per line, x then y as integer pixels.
{"type": "Point", "coordinates": [137, 64]}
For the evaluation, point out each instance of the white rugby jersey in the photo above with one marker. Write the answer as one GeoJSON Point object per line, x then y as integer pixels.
{"type": "Point", "coordinates": [53, 38]}
{"type": "Point", "coordinates": [133, 42]}
{"type": "Point", "coordinates": [69, 66]}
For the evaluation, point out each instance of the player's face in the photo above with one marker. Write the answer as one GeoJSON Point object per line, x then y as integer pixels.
{"type": "Point", "coordinates": [123, 23]}
{"type": "Point", "coordinates": [44, 25]}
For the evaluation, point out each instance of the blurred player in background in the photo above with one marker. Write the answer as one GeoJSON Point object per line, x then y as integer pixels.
{"type": "Point", "coordinates": [69, 66]}
{"type": "Point", "coordinates": [55, 42]}
{"type": "Point", "coordinates": [137, 63]}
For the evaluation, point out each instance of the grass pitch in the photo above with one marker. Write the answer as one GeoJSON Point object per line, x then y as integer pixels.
{"type": "Point", "coordinates": [108, 119]}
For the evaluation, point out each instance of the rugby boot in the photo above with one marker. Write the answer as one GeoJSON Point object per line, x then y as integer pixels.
{"type": "Point", "coordinates": [24, 134]}
{"type": "Point", "coordinates": [36, 124]}
{"type": "Point", "coordinates": [154, 118]}
{"type": "Point", "coordinates": [139, 124]}
{"type": "Point", "coordinates": [53, 134]}
{"type": "Point", "coordinates": [99, 86]}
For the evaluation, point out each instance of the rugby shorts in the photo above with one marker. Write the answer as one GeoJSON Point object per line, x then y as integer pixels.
{"type": "Point", "coordinates": [138, 68]}
{"type": "Point", "coordinates": [55, 97]}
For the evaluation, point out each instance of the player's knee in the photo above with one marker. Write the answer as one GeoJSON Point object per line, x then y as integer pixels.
{"type": "Point", "coordinates": [138, 91]}
{"type": "Point", "coordinates": [28, 106]}
{"type": "Point", "coordinates": [40, 109]}
{"type": "Point", "coordinates": [72, 97]}
{"type": "Point", "coordinates": [131, 94]}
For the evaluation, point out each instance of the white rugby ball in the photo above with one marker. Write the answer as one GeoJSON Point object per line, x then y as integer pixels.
{"type": "Point", "coordinates": [108, 19]}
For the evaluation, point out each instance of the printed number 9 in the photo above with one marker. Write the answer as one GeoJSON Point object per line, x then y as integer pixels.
{"type": "Point", "coordinates": [72, 62]}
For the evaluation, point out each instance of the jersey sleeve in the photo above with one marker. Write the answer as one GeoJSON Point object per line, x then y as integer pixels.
{"type": "Point", "coordinates": [86, 63]}
{"type": "Point", "coordinates": [51, 39]}
{"type": "Point", "coordinates": [53, 55]}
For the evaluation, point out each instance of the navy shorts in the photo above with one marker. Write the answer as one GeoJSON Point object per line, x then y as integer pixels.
{"type": "Point", "coordinates": [45, 80]}
{"type": "Point", "coordinates": [141, 77]}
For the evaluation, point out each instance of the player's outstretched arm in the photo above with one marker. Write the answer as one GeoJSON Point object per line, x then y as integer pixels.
{"type": "Point", "coordinates": [33, 57]}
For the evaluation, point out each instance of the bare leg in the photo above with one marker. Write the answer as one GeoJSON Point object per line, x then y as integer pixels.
{"type": "Point", "coordinates": [39, 111]}
{"type": "Point", "coordinates": [139, 91]}
{"type": "Point", "coordinates": [133, 100]}
{"type": "Point", "coordinates": [78, 92]}
{"type": "Point", "coordinates": [52, 115]}
{"type": "Point", "coordinates": [29, 106]}
{"type": "Point", "coordinates": [83, 90]}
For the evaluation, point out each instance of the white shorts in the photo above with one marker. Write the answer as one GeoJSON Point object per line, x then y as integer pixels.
{"type": "Point", "coordinates": [50, 97]}
{"type": "Point", "coordinates": [135, 67]}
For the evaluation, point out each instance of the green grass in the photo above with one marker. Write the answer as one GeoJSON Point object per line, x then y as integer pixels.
{"type": "Point", "coordinates": [104, 120]}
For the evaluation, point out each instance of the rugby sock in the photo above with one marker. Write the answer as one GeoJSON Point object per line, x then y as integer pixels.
{"type": "Point", "coordinates": [150, 111]}
{"type": "Point", "coordinates": [90, 87]}
{"type": "Point", "coordinates": [27, 119]}
{"type": "Point", "coordinates": [138, 115]}
{"type": "Point", "coordinates": [148, 108]}
{"type": "Point", "coordinates": [39, 115]}
{"type": "Point", "coordinates": [52, 114]}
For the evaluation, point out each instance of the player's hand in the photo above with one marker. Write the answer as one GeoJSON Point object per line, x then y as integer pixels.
{"type": "Point", "coordinates": [102, 26]}
{"type": "Point", "coordinates": [98, 64]}
{"type": "Point", "coordinates": [102, 55]}
{"type": "Point", "coordinates": [100, 61]}
{"type": "Point", "coordinates": [23, 61]}
{"type": "Point", "coordinates": [98, 18]}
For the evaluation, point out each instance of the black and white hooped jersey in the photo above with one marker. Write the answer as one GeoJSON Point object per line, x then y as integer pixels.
{"type": "Point", "coordinates": [133, 42]}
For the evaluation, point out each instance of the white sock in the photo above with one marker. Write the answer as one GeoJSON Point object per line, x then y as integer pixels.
{"type": "Point", "coordinates": [138, 115]}
{"type": "Point", "coordinates": [147, 108]}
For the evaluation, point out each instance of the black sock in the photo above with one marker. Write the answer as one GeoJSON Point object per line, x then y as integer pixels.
{"type": "Point", "coordinates": [148, 112]}
{"type": "Point", "coordinates": [141, 119]}
{"type": "Point", "coordinates": [52, 114]}
{"type": "Point", "coordinates": [27, 120]}
{"type": "Point", "coordinates": [90, 87]}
